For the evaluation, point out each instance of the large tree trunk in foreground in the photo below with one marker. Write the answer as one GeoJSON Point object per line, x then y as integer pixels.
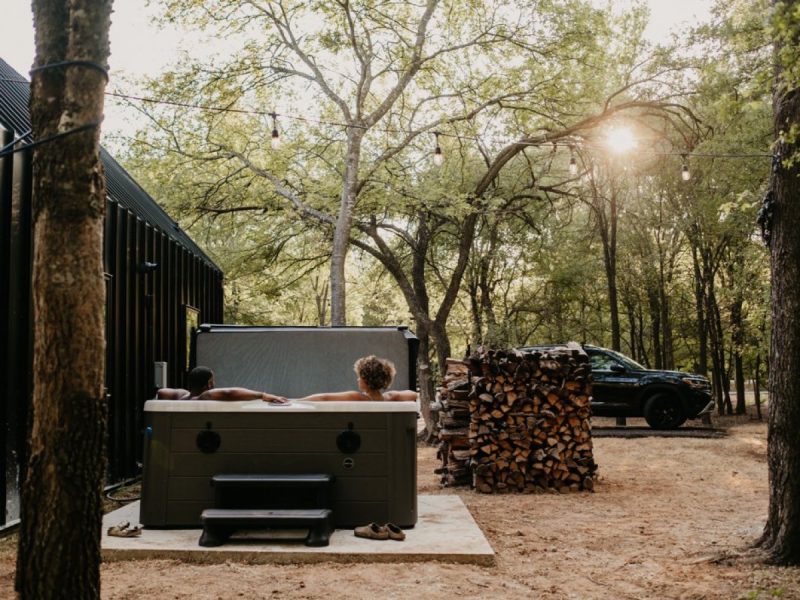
{"type": "Point", "coordinates": [781, 538]}
{"type": "Point", "coordinates": [59, 544]}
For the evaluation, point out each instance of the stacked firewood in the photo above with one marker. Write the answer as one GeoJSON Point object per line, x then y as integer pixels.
{"type": "Point", "coordinates": [529, 420]}
{"type": "Point", "coordinates": [453, 425]}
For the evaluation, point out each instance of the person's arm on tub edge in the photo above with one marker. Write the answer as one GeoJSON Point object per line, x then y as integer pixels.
{"type": "Point", "coordinates": [373, 375]}
{"type": "Point", "coordinates": [391, 396]}
{"type": "Point", "coordinates": [172, 394]}
{"type": "Point", "coordinates": [201, 387]}
{"type": "Point", "coordinates": [240, 394]}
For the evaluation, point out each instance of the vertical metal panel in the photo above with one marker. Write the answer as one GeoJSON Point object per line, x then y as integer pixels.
{"type": "Point", "coordinates": [7, 463]}
{"type": "Point", "coordinates": [161, 300]}
{"type": "Point", "coordinates": [117, 376]}
{"type": "Point", "coordinates": [17, 324]}
{"type": "Point", "coordinates": [109, 260]}
{"type": "Point", "coordinates": [133, 403]}
{"type": "Point", "coordinates": [7, 480]}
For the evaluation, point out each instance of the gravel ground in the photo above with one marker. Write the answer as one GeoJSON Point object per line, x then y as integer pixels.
{"type": "Point", "coordinates": [670, 518]}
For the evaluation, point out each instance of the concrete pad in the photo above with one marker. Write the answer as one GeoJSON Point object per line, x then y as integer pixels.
{"type": "Point", "coordinates": [445, 532]}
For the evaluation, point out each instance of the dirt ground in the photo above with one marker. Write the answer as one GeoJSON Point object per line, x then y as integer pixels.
{"type": "Point", "coordinates": [669, 519]}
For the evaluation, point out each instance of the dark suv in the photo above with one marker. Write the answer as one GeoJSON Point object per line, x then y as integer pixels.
{"type": "Point", "coordinates": [624, 388]}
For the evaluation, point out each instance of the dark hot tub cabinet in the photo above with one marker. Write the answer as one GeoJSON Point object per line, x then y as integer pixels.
{"type": "Point", "coordinates": [366, 449]}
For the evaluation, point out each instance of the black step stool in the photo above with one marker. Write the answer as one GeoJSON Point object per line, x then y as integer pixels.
{"type": "Point", "coordinates": [220, 523]}
{"type": "Point", "coordinates": [251, 501]}
{"type": "Point", "coordinates": [273, 491]}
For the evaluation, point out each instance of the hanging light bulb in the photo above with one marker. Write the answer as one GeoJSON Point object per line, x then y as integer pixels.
{"type": "Point", "coordinates": [573, 164]}
{"type": "Point", "coordinates": [276, 137]}
{"type": "Point", "coordinates": [685, 174]}
{"type": "Point", "coordinates": [438, 157]}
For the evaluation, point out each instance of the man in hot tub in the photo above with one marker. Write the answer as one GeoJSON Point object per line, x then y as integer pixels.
{"type": "Point", "coordinates": [373, 376]}
{"type": "Point", "coordinates": [201, 387]}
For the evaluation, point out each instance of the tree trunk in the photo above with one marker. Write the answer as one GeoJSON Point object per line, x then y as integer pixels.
{"type": "Point", "coordinates": [781, 538]}
{"type": "Point", "coordinates": [441, 342]}
{"type": "Point", "coordinates": [609, 238]}
{"type": "Point", "coordinates": [475, 312]}
{"type": "Point", "coordinates": [737, 341]}
{"type": "Point", "coordinates": [700, 303]}
{"type": "Point", "coordinates": [321, 299]}
{"type": "Point", "coordinates": [493, 337]}
{"type": "Point", "coordinates": [668, 353]}
{"type": "Point", "coordinates": [720, 383]}
{"type": "Point", "coordinates": [607, 228]}
{"type": "Point", "coordinates": [643, 357]}
{"type": "Point", "coordinates": [426, 384]}
{"type": "Point", "coordinates": [486, 286]}
{"type": "Point", "coordinates": [741, 400]}
{"type": "Point", "coordinates": [655, 328]}
{"type": "Point", "coordinates": [629, 311]}
{"type": "Point", "coordinates": [757, 385]}
{"type": "Point", "coordinates": [717, 363]}
{"type": "Point", "coordinates": [59, 543]}
{"type": "Point", "coordinates": [344, 221]}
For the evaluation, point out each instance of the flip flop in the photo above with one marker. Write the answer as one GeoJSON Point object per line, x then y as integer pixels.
{"type": "Point", "coordinates": [395, 533]}
{"type": "Point", "coordinates": [373, 531]}
{"type": "Point", "coordinates": [125, 530]}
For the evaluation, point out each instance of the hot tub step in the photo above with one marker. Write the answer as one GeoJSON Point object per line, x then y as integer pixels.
{"type": "Point", "coordinates": [219, 523]}
{"type": "Point", "coordinates": [272, 491]}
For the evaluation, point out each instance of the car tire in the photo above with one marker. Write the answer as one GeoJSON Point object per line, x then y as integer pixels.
{"type": "Point", "coordinates": [664, 411]}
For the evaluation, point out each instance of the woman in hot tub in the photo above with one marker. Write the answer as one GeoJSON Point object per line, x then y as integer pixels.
{"type": "Point", "coordinates": [374, 375]}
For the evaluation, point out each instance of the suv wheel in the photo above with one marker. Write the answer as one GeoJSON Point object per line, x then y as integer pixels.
{"type": "Point", "coordinates": [663, 411]}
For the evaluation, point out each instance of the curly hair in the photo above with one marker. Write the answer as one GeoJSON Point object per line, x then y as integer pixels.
{"type": "Point", "coordinates": [377, 373]}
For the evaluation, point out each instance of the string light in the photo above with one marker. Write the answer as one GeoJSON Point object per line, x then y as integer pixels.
{"type": "Point", "coordinates": [276, 137]}
{"type": "Point", "coordinates": [438, 157]}
{"type": "Point", "coordinates": [573, 164]}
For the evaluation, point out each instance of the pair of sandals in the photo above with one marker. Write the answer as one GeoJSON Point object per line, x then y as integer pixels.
{"type": "Point", "coordinates": [373, 531]}
{"type": "Point", "coordinates": [124, 529]}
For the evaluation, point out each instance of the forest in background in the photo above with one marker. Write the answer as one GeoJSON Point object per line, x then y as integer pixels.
{"type": "Point", "coordinates": [505, 243]}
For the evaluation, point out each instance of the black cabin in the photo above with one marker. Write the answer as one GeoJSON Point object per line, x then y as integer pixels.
{"type": "Point", "coordinates": [159, 285]}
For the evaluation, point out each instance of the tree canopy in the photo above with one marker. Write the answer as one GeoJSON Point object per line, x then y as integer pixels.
{"type": "Point", "coordinates": [534, 229]}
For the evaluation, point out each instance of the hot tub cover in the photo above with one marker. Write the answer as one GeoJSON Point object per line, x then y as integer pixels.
{"type": "Point", "coordinates": [298, 361]}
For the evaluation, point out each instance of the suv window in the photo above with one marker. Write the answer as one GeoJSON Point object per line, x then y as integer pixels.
{"type": "Point", "coordinates": [601, 362]}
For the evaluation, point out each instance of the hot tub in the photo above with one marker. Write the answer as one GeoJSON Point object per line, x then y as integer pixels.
{"type": "Point", "coordinates": [369, 447]}
{"type": "Point", "coordinates": [376, 482]}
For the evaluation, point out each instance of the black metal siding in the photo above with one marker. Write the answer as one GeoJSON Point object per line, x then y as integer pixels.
{"type": "Point", "coordinates": [15, 320]}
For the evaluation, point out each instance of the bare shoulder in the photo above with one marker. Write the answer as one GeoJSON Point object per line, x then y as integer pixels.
{"type": "Point", "coordinates": [400, 395]}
